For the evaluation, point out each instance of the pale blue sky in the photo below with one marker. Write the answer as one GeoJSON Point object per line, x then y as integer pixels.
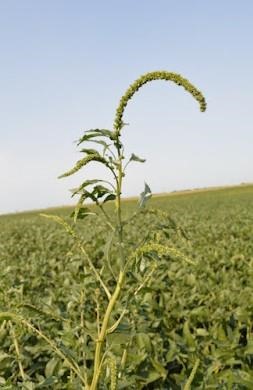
{"type": "Point", "coordinates": [65, 64]}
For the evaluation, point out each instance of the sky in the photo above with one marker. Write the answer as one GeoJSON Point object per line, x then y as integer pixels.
{"type": "Point", "coordinates": [65, 65]}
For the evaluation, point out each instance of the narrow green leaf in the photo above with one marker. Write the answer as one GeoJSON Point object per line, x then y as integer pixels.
{"type": "Point", "coordinates": [136, 158]}
{"type": "Point", "coordinates": [145, 196]}
{"type": "Point", "coordinates": [109, 197]}
{"type": "Point", "coordinates": [85, 184]}
{"type": "Point", "coordinates": [93, 133]}
{"type": "Point", "coordinates": [159, 368]}
{"type": "Point", "coordinates": [81, 213]}
{"type": "Point", "coordinates": [86, 137]}
{"type": "Point", "coordinates": [88, 151]}
{"type": "Point", "coordinates": [188, 336]}
{"type": "Point", "coordinates": [51, 367]}
{"type": "Point", "coordinates": [99, 191]}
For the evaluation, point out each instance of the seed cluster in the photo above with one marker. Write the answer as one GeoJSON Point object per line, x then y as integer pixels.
{"type": "Point", "coordinates": [113, 369]}
{"type": "Point", "coordinates": [162, 250]}
{"type": "Point", "coordinates": [157, 75]}
{"type": "Point", "coordinates": [84, 161]}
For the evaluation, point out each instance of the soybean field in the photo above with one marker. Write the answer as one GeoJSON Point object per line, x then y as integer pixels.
{"type": "Point", "coordinates": [192, 316]}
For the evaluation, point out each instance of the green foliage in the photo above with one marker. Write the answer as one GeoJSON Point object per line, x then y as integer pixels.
{"type": "Point", "coordinates": [45, 280]}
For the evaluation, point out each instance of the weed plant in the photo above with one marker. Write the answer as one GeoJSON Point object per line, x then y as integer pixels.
{"type": "Point", "coordinates": [119, 279]}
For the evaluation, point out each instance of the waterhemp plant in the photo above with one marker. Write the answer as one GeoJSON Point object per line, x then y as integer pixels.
{"type": "Point", "coordinates": [113, 158]}
{"type": "Point", "coordinates": [114, 294]}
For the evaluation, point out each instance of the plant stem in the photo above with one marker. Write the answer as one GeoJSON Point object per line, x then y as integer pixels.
{"type": "Point", "coordinates": [102, 334]}
{"type": "Point", "coordinates": [94, 270]}
{"type": "Point", "coordinates": [116, 293]}
{"type": "Point", "coordinates": [187, 386]}
{"type": "Point", "coordinates": [83, 336]}
{"type": "Point", "coordinates": [118, 204]}
{"type": "Point", "coordinates": [21, 370]}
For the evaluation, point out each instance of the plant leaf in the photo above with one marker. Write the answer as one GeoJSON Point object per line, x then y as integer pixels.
{"type": "Point", "coordinates": [51, 367]}
{"type": "Point", "coordinates": [109, 197]}
{"type": "Point", "coordinates": [145, 196]}
{"type": "Point", "coordinates": [86, 183]}
{"type": "Point", "coordinates": [99, 191]}
{"type": "Point", "coordinates": [136, 158]}
{"type": "Point", "coordinates": [93, 133]}
{"type": "Point", "coordinates": [81, 213]}
{"type": "Point", "coordinates": [88, 151]}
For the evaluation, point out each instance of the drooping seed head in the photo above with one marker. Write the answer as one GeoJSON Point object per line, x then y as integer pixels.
{"type": "Point", "coordinates": [151, 76]}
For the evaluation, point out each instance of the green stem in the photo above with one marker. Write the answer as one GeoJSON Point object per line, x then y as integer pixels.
{"type": "Point", "coordinates": [187, 386]}
{"type": "Point", "coordinates": [83, 336]}
{"type": "Point", "coordinates": [118, 207]}
{"type": "Point", "coordinates": [15, 342]}
{"type": "Point", "coordinates": [116, 293]}
{"type": "Point", "coordinates": [102, 334]}
{"type": "Point", "coordinates": [107, 218]}
{"type": "Point", "coordinates": [95, 271]}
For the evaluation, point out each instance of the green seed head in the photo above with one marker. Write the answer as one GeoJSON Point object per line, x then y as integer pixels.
{"type": "Point", "coordinates": [159, 75]}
